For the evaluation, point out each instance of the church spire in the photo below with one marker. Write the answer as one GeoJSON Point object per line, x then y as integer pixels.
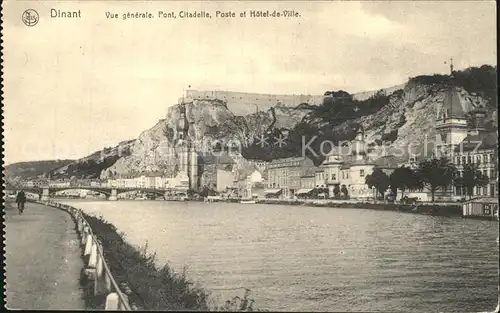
{"type": "Point", "coordinates": [452, 104]}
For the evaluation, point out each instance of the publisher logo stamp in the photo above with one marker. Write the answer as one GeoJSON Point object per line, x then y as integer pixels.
{"type": "Point", "coordinates": [30, 17]}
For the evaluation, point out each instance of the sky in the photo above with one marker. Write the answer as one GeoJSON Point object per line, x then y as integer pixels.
{"type": "Point", "coordinates": [75, 86]}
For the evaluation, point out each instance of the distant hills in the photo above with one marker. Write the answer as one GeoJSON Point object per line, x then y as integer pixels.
{"type": "Point", "coordinates": [30, 169]}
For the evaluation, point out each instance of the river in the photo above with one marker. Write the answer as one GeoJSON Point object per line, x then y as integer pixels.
{"type": "Point", "coordinates": [297, 258]}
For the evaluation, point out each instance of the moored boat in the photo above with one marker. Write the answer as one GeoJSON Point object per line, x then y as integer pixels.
{"type": "Point", "coordinates": [248, 202]}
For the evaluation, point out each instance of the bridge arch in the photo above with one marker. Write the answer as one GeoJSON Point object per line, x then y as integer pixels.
{"type": "Point", "coordinates": [54, 190]}
{"type": "Point", "coordinates": [158, 192]}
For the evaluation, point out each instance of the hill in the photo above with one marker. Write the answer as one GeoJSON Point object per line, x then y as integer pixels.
{"type": "Point", "coordinates": [32, 169]}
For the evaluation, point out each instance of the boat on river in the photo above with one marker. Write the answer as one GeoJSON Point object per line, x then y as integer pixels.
{"type": "Point", "coordinates": [249, 201]}
{"type": "Point", "coordinates": [213, 199]}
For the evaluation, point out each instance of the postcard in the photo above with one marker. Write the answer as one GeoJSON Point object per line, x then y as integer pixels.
{"type": "Point", "coordinates": [250, 155]}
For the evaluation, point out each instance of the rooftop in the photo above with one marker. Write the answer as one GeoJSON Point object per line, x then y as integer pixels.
{"type": "Point", "coordinates": [309, 172]}
{"type": "Point", "coordinates": [219, 158]}
{"type": "Point", "coordinates": [389, 161]}
{"type": "Point", "coordinates": [452, 104]}
{"type": "Point", "coordinates": [486, 140]}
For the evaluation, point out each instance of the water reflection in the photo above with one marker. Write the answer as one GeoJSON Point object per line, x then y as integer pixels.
{"type": "Point", "coordinates": [319, 259]}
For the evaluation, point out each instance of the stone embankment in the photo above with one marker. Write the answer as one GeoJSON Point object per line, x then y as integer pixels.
{"type": "Point", "coordinates": [101, 291]}
{"type": "Point", "coordinates": [120, 276]}
{"type": "Point", "coordinates": [437, 209]}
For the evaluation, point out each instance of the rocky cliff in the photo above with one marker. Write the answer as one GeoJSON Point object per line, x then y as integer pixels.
{"type": "Point", "coordinates": [392, 118]}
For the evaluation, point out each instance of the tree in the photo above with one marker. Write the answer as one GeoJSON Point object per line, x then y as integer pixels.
{"type": "Point", "coordinates": [336, 190]}
{"type": "Point", "coordinates": [344, 190]}
{"type": "Point", "coordinates": [207, 191]}
{"type": "Point", "coordinates": [472, 177]}
{"type": "Point", "coordinates": [379, 180]}
{"type": "Point", "coordinates": [437, 174]}
{"type": "Point", "coordinates": [403, 178]}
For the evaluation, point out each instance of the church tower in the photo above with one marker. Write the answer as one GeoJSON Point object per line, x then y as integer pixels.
{"type": "Point", "coordinates": [359, 144]}
{"type": "Point", "coordinates": [188, 158]}
{"type": "Point", "coordinates": [451, 121]}
{"type": "Point", "coordinates": [192, 153]}
{"type": "Point", "coordinates": [182, 145]}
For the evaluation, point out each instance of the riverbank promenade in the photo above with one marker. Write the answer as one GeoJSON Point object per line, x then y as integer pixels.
{"type": "Point", "coordinates": [42, 259]}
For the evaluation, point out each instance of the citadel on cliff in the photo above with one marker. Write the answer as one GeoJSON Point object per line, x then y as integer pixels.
{"type": "Point", "coordinates": [242, 103]}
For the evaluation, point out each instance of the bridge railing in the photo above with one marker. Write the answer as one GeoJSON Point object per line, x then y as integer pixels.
{"type": "Point", "coordinates": [96, 267]}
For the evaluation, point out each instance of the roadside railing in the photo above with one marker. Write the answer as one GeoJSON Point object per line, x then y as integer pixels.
{"type": "Point", "coordinates": [96, 268]}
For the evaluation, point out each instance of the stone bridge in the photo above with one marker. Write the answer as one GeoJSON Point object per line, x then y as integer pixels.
{"type": "Point", "coordinates": [111, 192]}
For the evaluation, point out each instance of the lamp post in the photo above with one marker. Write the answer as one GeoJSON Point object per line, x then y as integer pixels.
{"type": "Point", "coordinates": [374, 193]}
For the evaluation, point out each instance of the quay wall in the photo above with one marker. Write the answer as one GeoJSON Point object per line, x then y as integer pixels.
{"type": "Point", "coordinates": [436, 209]}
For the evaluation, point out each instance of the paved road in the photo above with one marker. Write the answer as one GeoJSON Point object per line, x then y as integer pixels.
{"type": "Point", "coordinates": [42, 259]}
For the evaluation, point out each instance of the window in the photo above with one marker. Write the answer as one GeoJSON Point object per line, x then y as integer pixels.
{"type": "Point", "coordinates": [469, 159]}
{"type": "Point", "coordinates": [361, 173]}
{"type": "Point", "coordinates": [464, 160]}
{"type": "Point", "coordinates": [491, 157]}
{"type": "Point", "coordinates": [457, 160]}
{"type": "Point", "coordinates": [486, 159]}
{"type": "Point", "coordinates": [334, 177]}
{"type": "Point", "coordinates": [485, 173]}
{"type": "Point", "coordinates": [458, 191]}
{"type": "Point", "coordinates": [478, 159]}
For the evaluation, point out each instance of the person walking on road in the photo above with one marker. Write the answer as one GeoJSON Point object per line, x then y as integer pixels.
{"type": "Point", "coordinates": [21, 200]}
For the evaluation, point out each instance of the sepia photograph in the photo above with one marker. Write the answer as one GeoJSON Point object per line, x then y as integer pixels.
{"type": "Point", "coordinates": [272, 156]}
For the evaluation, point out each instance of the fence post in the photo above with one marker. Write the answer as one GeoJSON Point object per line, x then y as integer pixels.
{"type": "Point", "coordinates": [93, 254]}
{"type": "Point", "coordinates": [79, 223]}
{"type": "Point", "coordinates": [84, 234]}
{"type": "Point", "coordinates": [100, 281]}
{"type": "Point", "coordinates": [107, 281]}
{"type": "Point", "coordinates": [112, 302]}
{"type": "Point", "coordinates": [88, 244]}
{"type": "Point", "coordinates": [90, 258]}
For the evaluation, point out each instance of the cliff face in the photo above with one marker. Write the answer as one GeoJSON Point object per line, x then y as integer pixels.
{"type": "Point", "coordinates": [212, 125]}
{"type": "Point", "coordinates": [393, 119]}
{"type": "Point", "coordinates": [408, 121]}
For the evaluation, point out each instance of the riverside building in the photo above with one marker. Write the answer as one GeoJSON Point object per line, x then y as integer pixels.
{"type": "Point", "coordinates": [284, 176]}
{"type": "Point", "coordinates": [348, 166]}
{"type": "Point", "coordinates": [463, 139]}
{"type": "Point", "coordinates": [481, 149]}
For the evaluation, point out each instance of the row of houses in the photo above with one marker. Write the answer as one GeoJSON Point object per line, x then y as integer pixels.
{"type": "Point", "coordinates": [344, 168]}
